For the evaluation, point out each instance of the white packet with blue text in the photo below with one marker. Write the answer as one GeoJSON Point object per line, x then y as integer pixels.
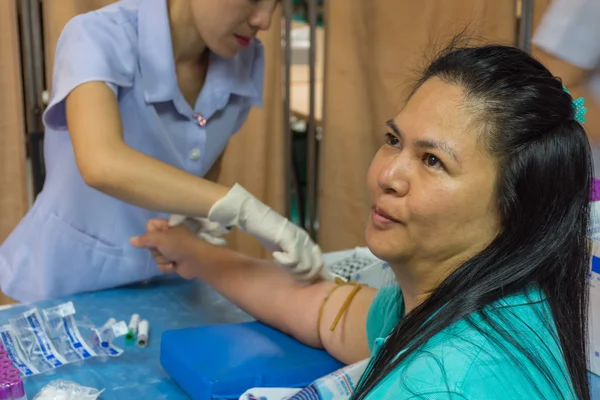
{"type": "Point", "coordinates": [15, 353]}
{"type": "Point", "coordinates": [64, 333]}
{"type": "Point", "coordinates": [338, 385]}
{"type": "Point", "coordinates": [38, 342]}
{"type": "Point", "coordinates": [103, 337]}
{"type": "Point", "coordinates": [37, 347]}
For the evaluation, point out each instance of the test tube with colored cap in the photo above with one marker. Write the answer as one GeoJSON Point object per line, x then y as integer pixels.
{"type": "Point", "coordinates": [133, 327]}
{"type": "Point", "coordinates": [143, 333]}
{"type": "Point", "coordinates": [17, 389]}
{"type": "Point", "coordinates": [5, 392]}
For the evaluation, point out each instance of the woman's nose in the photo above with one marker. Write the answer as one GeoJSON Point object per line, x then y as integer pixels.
{"type": "Point", "coordinates": [393, 176]}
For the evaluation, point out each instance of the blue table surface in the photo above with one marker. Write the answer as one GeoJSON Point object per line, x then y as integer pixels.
{"type": "Point", "coordinates": [167, 304]}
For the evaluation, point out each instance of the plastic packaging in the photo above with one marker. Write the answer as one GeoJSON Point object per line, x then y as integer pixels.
{"type": "Point", "coordinates": [111, 321]}
{"type": "Point", "coordinates": [103, 339]}
{"type": "Point", "coordinates": [36, 342]}
{"type": "Point", "coordinates": [65, 334]}
{"type": "Point", "coordinates": [338, 385]}
{"type": "Point", "coordinates": [66, 390]}
{"type": "Point", "coordinates": [15, 354]}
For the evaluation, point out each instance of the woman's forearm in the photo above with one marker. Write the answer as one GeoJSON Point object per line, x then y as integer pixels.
{"type": "Point", "coordinates": [265, 291]}
{"type": "Point", "coordinates": [272, 296]}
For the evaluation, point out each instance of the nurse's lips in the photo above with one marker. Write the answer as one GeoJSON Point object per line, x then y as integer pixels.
{"type": "Point", "coordinates": [243, 41]}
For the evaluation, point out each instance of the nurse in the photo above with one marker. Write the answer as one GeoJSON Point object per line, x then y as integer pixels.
{"type": "Point", "coordinates": [145, 96]}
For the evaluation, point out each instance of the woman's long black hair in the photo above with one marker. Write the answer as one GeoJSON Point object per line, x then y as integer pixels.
{"type": "Point", "coordinates": [543, 157]}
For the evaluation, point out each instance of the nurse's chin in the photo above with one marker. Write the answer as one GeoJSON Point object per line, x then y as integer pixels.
{"type": "Point", "coordinates": [226, 51]}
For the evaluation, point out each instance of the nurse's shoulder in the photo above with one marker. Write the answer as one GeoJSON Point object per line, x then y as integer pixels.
{"type": "Point", "coordinates": [96, 55]}
{"type": "Point", "coordinates": [98, 46]}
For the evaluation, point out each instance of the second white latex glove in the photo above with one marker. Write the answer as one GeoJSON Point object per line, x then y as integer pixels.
{"type": "Point", "coordinates": [291, 246]}
{"type": "Point", "coordinates": [203, 228]}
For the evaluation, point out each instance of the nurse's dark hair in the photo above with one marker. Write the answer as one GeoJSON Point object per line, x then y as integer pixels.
{"type": "Point", "coordinates": [544, 174]}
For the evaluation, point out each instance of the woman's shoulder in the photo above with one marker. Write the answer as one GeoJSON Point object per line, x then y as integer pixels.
{"type": "Point", "coordinates": [484, 355]}
{"type": "Point", "coordinates": [384, 314]}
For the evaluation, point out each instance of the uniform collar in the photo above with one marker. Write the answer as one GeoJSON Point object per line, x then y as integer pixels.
{"type": "Point", "coordinates": [241, 75]}
{"type": "Point", "coordinates": [156, 51]}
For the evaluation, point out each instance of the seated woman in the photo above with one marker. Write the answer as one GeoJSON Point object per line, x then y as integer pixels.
{"type": "Point", "coordinates": [479, 203]}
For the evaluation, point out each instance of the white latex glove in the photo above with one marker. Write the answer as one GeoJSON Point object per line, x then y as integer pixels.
{"type": "Point", "coordinates": [291, 246]}
{"type": "Point", "coordinates": [205, 229]}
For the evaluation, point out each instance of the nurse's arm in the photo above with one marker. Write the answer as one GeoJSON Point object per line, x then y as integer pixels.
{"type": "Point", "coordinates": [575, 79]}
{"type": "Point", "coordinates": [215, 171]}
{"type": "Point", "coordinates": [109, 165]}
{"type": "Point", "coordinates": [270, 294]}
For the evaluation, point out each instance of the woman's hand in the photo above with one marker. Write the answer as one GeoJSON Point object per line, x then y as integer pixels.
{"type": "Point", "coordinates": [175, 250]}
{"type": "Point", "coordinates": [205, 229]}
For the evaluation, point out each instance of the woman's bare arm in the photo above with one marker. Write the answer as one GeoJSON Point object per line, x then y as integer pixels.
{"type": "Point", "coordinates": [270, 294]}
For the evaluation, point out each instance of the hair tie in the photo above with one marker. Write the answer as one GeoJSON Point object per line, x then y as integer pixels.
{"type": "Point", "coordinates": [579, 107]}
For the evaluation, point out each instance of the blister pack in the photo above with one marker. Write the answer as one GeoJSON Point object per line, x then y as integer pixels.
{"type": "Point", "coordinates": [39, 341]}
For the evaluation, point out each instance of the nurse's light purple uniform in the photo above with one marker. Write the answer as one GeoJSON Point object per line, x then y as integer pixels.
{"type": "Point", "coordinates": [75, 238]}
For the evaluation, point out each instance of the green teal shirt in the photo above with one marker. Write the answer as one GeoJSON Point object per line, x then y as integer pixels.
{"type": "Point", "coordinates": [470, 360]}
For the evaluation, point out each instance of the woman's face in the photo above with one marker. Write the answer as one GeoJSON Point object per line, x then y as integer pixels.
{"type": "Point", "coordinates": [227, 26]}
{"type": "Point", "coordinates": [432, 183]}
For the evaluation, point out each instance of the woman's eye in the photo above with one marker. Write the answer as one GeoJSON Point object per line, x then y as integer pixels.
{"type": "Point", "coordinates": [432, 161]}
{"type": "Point", "coordinates": [392, 140]}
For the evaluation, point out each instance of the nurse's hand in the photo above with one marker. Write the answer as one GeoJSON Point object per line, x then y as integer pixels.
{"type": "Point", "coordinates": [175, 250]}
{"type": "Point", "coordinates": [291, 246]}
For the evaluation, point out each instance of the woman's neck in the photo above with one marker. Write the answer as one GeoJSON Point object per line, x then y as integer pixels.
{"type": "Point", "coordinates": [188, 46]}
{"type": "Point", "coordinates": [418, 279]}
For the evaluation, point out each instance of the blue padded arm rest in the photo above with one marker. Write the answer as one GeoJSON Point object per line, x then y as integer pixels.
{"type": "Point", "coordinates": [223, 361]}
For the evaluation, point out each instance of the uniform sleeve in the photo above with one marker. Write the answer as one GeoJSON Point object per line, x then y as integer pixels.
{"type": "Point", "coordinates": [384, 314]}
{"type": "Point", "coordinates": [570, 30]}
{"type": "Point", "coordinates": [91, 47]}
